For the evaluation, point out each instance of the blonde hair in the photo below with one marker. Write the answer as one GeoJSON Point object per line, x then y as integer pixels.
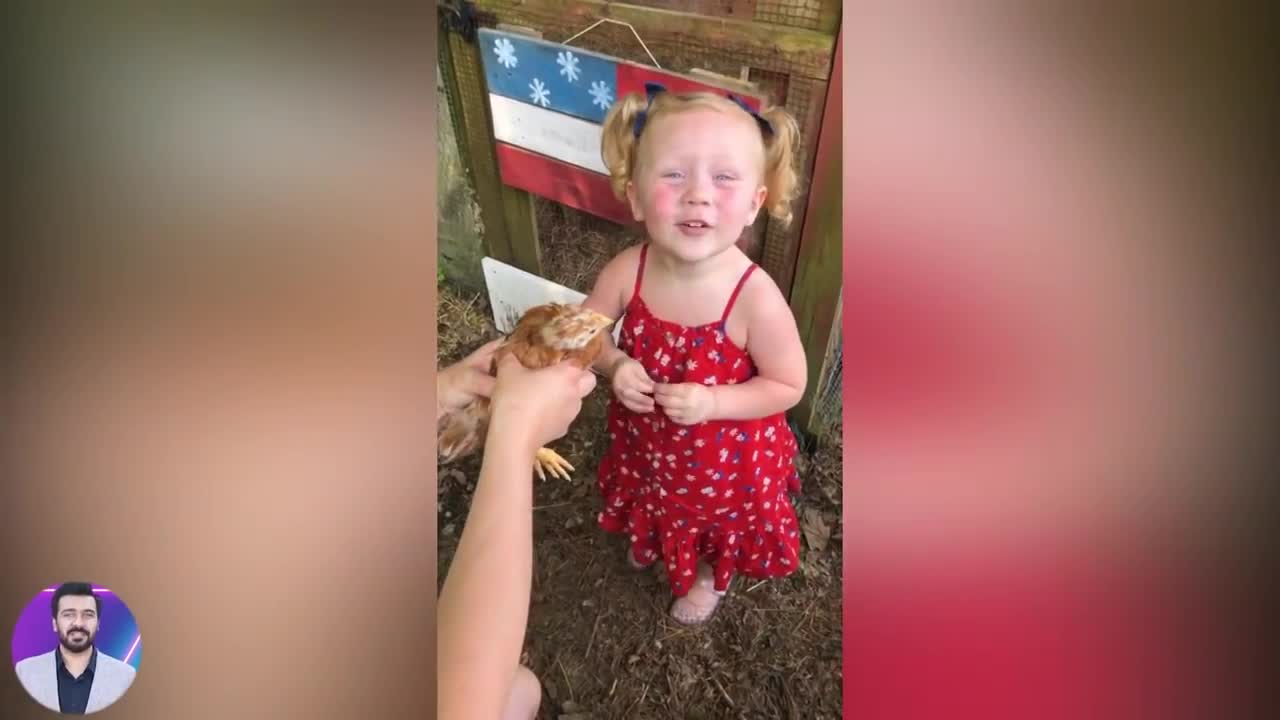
{"type": "Point", "coordinates": [619, 143]}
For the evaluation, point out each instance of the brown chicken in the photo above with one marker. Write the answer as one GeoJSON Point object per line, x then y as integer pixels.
{"type": "Point", "coordinates": [544, 336]}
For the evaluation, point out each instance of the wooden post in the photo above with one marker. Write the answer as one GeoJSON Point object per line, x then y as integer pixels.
{"type": "Point", "coordinates": [522, 226]}
{"type": "Point", "coordinates": [510, 232]}
{"type": "Point", "coordinates": [816, 292]}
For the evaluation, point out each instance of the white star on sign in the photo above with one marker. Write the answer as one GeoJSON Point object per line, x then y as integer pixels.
{"type": "Point", "coordinates": [600, 94]}
{"type": "Point", "coordinates": [541, 94]}
{"type": "Point", "coordinates": [568, 65]}
{"type": "Point", "coordinates": [506, 52]}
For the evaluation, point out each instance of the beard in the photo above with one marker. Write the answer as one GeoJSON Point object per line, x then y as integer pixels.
{"type": "Point", "coordinates": [76, 640]}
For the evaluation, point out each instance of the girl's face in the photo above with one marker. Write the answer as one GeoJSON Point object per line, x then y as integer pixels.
{"type": "Point", "coordinates": [697, 181]}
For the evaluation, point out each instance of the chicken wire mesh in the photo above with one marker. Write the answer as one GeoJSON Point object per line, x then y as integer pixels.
{"type": "Point", "coordinates": [805, 14]}
{"type": "Point", "coordinates": [469, 119]}
{"type": "Point", "coordinates": [828, 403]}
{"type": "Point", "coordinates": [449, 90]}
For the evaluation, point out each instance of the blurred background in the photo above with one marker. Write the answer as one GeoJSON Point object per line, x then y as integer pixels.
{"type": "Point", "coordinates": [220, 348]}
{"type": "Point", "coordinates": [1056, 355]}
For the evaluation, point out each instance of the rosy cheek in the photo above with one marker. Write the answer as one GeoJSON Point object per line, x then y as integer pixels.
{"type": "Point", "coordinates": [733, 199]}
{"type": "Point", "coordinates": [662, 200]}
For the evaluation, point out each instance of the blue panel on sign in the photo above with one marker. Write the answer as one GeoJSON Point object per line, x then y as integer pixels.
{"type": "Point", "coordinates": [549, 75]}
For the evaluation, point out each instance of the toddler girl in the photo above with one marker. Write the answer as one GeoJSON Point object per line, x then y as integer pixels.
{"type": "Point", "coordinates": [709, 357]}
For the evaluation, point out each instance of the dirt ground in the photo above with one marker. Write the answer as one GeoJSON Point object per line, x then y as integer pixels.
{"type": "Point", "coordinates": [599, 636]}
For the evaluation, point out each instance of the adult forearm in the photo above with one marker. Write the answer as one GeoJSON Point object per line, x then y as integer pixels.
{"type": "Point", "coordinates": [756, 398]}
{"type": "Point", "coordinates": [484, 606]}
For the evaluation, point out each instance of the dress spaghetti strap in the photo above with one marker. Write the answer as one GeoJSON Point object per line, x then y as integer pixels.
{"type": "Point", "coordinates": [644, 250]}
{"type": "Point", "coordinates": [732, 298]}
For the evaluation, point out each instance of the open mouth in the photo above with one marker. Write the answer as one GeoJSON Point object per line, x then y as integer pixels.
{"type": "Point", "coordinates": [693, 228]}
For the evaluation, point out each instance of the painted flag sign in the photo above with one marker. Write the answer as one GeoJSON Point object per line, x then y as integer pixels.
{"type": "Point", "coordinates": [548, 102]}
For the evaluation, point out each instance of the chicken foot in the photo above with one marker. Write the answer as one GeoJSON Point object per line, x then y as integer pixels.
{"type": "Point", "coordinates": [547, 460]}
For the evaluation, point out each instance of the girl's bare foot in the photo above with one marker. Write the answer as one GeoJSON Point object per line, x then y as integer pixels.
{"type": "Point", "coordinates": [701, 602]}
{"type": "Point", "coordinates": [525, 696]}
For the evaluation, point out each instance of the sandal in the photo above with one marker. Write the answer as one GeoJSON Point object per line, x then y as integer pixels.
{"type": "Point", "coordinates": [700, 603]}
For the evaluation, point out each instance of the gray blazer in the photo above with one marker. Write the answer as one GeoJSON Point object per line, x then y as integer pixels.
{"type": "Point", "coordinates": [111, 678]}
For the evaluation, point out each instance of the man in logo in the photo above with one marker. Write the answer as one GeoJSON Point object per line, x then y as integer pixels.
{"type": "Point", "coordinates": [75, 678]}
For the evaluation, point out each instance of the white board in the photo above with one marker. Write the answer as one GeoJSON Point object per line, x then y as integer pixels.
{"type": "Point", "coordinates": [513, 291]}
{"type": "Point", "coordinates": [547, 132]}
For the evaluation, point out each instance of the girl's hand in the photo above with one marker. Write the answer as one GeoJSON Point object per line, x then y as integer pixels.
{"type": "Point", "coordinates": [632, 385]}
{"type": "Point", "coordinates": [686, 403]}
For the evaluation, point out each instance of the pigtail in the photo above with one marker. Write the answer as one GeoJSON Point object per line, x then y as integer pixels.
{"type": "Point", "coordinates": [780, 175]}
{"type": "Point", "coordinates": [618, 141]}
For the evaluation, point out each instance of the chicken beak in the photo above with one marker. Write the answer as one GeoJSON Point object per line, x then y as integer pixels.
{"type": "Point", "coordinates": [598, 321]}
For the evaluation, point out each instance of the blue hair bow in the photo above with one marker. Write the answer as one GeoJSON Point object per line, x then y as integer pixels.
{"type": "Point", "coordinates": [651, 89]}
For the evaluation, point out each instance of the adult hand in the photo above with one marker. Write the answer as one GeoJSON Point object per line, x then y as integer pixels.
{"type": "Point", "coordinates": [538, 404]}
{"type": "Point", "coordinates": [467, 379]}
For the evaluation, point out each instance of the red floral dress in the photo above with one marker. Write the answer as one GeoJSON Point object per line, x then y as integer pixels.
{"type": "Point", "coordinates": [716, 490]}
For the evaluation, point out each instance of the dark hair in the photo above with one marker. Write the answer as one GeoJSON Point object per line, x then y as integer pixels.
{"type": "Point", "coordinates": [75, 588]}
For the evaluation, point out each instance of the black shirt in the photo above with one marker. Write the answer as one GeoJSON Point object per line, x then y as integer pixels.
{"type": "Point", "coordinates": [73, 693]}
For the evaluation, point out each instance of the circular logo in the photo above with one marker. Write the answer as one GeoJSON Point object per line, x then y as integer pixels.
{"type": "Point", "coordinates": [76, 648]}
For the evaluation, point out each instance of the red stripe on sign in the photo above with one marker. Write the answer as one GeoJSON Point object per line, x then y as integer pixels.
{"type": "Point", "coordinates": [631, 79]}
{"type": "Point", "coordinates": [564, 183]}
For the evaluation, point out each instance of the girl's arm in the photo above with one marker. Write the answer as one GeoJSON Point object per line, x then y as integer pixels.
{"type": "Point", "coordinates": [773, 341]}
{"type": "Point", "coordinates": [609, 297]}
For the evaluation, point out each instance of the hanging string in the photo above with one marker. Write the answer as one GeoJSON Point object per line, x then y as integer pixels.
{"type": "Point", "coordinates": [639, 39]}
